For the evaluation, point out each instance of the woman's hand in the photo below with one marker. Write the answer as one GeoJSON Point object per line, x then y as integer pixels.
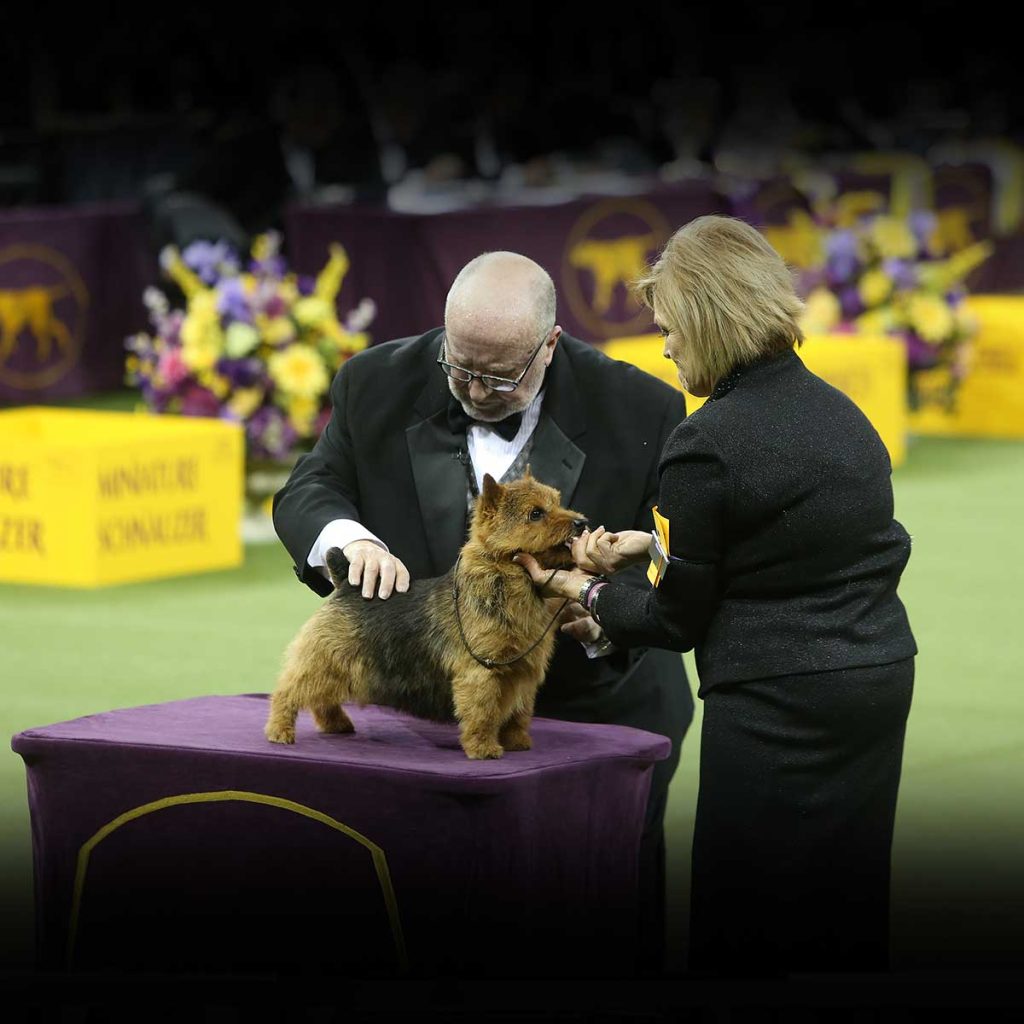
{"type": "Point", "coordinates": [606, 553]}
{"type": "Point", "coordinates": [577, 623]}
{"type": "Point", "coordinates": [564, 583]}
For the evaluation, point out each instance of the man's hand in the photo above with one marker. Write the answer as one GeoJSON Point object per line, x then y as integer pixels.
{"type": "Point", "coordinates": [368, 563]}
{"type": "Point", "coordinates": [607, 553]}
{"type": "Point", "coordinates": [564, 583]}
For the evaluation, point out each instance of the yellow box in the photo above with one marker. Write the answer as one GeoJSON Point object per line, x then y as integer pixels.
{"type": "Point", "coordinates": [871, 371]}
{"type": "Point", "coordinates": [89, 499]}
{"type": "Point", "coordinates": [990, 401]}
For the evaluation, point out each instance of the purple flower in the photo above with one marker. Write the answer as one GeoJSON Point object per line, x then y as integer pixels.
{"type": "Point", "coordinates": [850, 302]}
{"type": "Point", "coordinates": [211, 260]}
{"type": "Point", "coordinates": [270, 434]}
{"type": "Point", "coordinates": [243, 373]}
{"type": "Point", "coordinates": [275, 307]}
{"type": "Point", "coordinates": [172, 327]}
{"type": "Point", "coordinates": [306, 284]}
{"type": "Point", "coordinates": [841, 256]}
{"type": "Point", "coordinates": [198, 401]}
{"type": "Point", "coordinates": [232, 302]}
{"type": "Point", "coordinates": [903, 273]}
{"type": "Point", "coordinates": [923, 224]}
{"type": "Point", "coordinates": [273, 266]}
{"type": "Point", "coordinates": [920, 355]}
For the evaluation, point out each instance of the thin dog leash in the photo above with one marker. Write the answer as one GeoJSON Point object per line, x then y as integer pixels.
{"type": "Point", "coordinates": [486, 662]}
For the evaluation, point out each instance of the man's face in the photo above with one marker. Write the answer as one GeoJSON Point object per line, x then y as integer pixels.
{"type": "Point", "coordinates": [483, 355]}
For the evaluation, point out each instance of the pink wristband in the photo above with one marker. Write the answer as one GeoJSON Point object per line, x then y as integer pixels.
{"type": "Point", "coordinates": [592, 595]}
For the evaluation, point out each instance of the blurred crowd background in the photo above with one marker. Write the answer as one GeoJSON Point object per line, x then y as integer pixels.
{"type": "Point", "coordinates": [217, 119]}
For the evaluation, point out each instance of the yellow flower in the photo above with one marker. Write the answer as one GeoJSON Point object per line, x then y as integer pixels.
{"type": "Point", "coordinates": [328, 282]}
{"type": "Point", "coordinates": [312, 311]}
{"type": "Point", "coordinates": [245, 401]}
{"type": "Point", "coordinates": [942, 274]}
{"type": "Point", "coordinates": [893, 238]}
{"type": "Point", "coordinates": [875, 287]}
{"type": "Point", "coordinates": [302, 413]}
{"type": "Point", "coordinates": [877, 321]}
{"type": "Point", "coordinates": [266, 246]}
{"type": "Point", "coordinates": [821, 312]}
{"type": "Point", "coordinates": [931, 317]}
{"type": "Point", "coordinates": [278, 331]}
{"type": "Point", "coordinates": [299, 371]}
{"type": "Point", "coordinates": [202, 340]}
{"type": "Point", "coordinates": [240, 339]}
{"type": "Point", "coordinates": [288, 289]}
{"type": "Point", "coordinates": [215, 382]}
{"type": "Point", "coordinates": [179, 272]}
{"type": "Point", "coordinates": [249, 283]}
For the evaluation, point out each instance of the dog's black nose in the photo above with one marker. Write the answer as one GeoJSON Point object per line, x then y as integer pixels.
{"type": "Point", "coordinates": [579, 525]}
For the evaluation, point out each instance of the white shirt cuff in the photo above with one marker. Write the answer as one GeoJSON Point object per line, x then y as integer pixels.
{"type": "Point", "coordinates": [338, 533]}
{"type": "Point", "coordinates": [601, 649]}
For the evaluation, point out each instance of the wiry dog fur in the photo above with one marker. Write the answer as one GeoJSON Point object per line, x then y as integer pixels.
{"type": "Point", "coordinates": [407, 651]}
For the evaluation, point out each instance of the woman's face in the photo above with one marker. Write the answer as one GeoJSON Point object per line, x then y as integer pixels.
{"type": "Point", "coordinates": [675, 349]}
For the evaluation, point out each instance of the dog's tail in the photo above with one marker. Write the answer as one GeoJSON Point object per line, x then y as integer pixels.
{"type": "Point", "coordinates": [337, 566]}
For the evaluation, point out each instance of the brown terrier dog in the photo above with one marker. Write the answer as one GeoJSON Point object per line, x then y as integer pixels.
{"type": "Point", "coordinates": [472, 645]}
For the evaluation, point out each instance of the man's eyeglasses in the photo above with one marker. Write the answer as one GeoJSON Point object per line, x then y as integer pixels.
{"type": "Point", "coordinates": [492, 383]}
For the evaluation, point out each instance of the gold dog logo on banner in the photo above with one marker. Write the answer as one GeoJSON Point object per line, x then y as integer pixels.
{"type": "Point", "coordinates": [608, 247]}
{"type": "Point", "coordinates": [42, 316]}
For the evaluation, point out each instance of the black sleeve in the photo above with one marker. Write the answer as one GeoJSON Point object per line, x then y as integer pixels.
{"type": "Point", "coordinates": [694, 498]}
{"type": "Point", "coordinates": [322, 487]}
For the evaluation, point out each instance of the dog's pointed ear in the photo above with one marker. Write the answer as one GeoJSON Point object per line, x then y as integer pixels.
{"type": "Point", "coordinates": [491, 492]}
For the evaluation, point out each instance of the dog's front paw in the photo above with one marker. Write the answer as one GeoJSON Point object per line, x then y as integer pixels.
{"type": "Point", "coordinates": [280, 734]}
{"type": "Point", "coordinates": [483, 751]}
{"type": "Point", "coordinates": [516, 738]}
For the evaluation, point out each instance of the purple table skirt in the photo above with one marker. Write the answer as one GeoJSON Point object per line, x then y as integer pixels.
{"type": "Point", "coordinates": [175, 837]}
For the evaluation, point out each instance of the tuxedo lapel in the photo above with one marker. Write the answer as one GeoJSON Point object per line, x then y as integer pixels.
{"type": "Point", "coordinates": [439, 475]}
{"type": "Point", "coordinates": [555, 459]}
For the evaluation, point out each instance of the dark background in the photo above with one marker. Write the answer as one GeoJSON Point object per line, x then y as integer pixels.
{"type": "Point", "coordinates": [102, 102]}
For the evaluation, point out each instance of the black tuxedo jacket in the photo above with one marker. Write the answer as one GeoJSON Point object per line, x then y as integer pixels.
{"type": "Point", "coordinates": [388, 460]}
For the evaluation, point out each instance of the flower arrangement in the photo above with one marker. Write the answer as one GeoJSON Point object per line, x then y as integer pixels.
{"type": "Point", "coordinates": [257, 345]}
{"type": "Point", "coordinates": [880, 274]}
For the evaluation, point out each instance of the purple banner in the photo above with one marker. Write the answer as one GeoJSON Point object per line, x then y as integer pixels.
{"type": "Point", "coordinates": [71, 283]}
{"type": "Point", "coordinates": [591, 247]}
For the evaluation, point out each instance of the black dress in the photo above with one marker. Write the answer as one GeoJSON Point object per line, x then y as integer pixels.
{"type": "Point", "coordinates": [783, 575]}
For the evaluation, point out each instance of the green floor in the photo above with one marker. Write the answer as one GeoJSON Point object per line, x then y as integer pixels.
{"type": "Point", "coordinates": [958, 887]}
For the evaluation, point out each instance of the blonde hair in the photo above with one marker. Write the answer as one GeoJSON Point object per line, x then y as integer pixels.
{"type": "Point", "coordinates": [727, 293]}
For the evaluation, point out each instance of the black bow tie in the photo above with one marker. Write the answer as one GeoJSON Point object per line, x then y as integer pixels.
{"type": "Point", "coordinates": [459, 421]}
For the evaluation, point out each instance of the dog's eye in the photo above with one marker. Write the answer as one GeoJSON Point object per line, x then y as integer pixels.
{"type": "Point", "coordinates": [535, 514]}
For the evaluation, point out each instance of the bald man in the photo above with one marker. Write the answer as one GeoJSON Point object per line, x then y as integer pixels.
{"type": "Point", "coordinates": [416, 424]}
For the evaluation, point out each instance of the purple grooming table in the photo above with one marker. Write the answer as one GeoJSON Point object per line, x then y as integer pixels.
{"type": "Point", "coordinates": [175, 837]}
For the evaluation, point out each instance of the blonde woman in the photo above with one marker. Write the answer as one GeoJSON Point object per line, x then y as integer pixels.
{"type": "Point", "coordinates": [776, 557]}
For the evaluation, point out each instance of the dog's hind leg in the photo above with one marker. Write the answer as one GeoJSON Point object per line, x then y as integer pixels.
{"type": "Point", "coordinates": [332, 718]}
{"type": "Point", "coordinates": [284, 709]}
